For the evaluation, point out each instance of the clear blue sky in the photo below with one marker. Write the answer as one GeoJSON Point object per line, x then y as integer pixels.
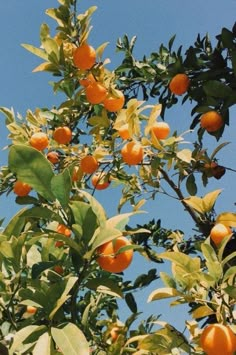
{"type": "Point", "coordinates": [154, 22]}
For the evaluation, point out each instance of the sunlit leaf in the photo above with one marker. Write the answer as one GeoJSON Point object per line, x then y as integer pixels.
{"type": "Point", "coordinates": [202, 311]}
{"type": "Point", "coordinates": [185, 155]}
{"type": "Point", "coordinates": [227, 218]}
{"type": "Point", "coordinates": [209, 200]}
{"type": "Point", "coordinates": [38, 52]}
{"type": "Point", "coordinates": [43, 345]}
{"type": "Point", "coordinates": [70, 340]}
{"type": "Point", "coordinates": [161, 293]}
{"type": "Point", "coordinates": [61, 187]}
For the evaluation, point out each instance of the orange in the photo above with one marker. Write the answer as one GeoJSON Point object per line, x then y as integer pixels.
{"type": "Point", "coordinates": [62, 229]}
{"type": "Point", "coordinates": [124, 131]}
{"type": "Point", "coordinates": [114, 333]}
{"type": "Point", "coordinates": [108, 258]}
{"type": "Point", "coordinates": [88, 80]}
{"type": "Point", "coordinates": [179, 84]}
{"type": "Point", "coordinates": [31, 309]}
{"type": "Point", "coordinates": [58, 269]}
{"type": "Point", "coordinates": [113, 103]}
{"type": "Point", "coordinates": [62, 135]}
{"type": "Point", "coordinates": [21, 188]}
{"type": "Point", "coordinates": [161, 130]}
{"type": "Point", "coordinates": [100, 180]}
{"type": "Point", "coordinates": [218, 339]}
{"type": "Point", "coordinates": [219, 232]}
{"type": "Point", "coordinates": [212, 121]}
{"type": "Point", "coordinates": [132, 153]}
{"type": "Point", "coordinates": [84, 57]}
{"type": "Point", "coordinates": [89, 164]}
{"type": "Point", "coordinates": [95, 93]}
{"type": "Point", "coordinates": [39, 141]}
{"type": "Point", "coordinates": [53, 157]}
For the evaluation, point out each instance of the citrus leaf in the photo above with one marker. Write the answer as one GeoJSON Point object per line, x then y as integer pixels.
{"type": "Point", "coordinates": [227, 218]}
{"type": "Point", "coordinates": [202, 311]}
{"type": "Point", "coordinates": [20, 337]}
{"type": "Point", "coordinates": [61, 187]}
{"type": "Point", "coordinates": [185, 155]}
{"type": "Point", "coordinates": [36, 51]}
{"type": "Point", "coordinates": [105, 285]}
{"type": "Point", "coordinates": [70, 340]}
{"type": "Point", "coordinates": [43, 345]}
{"type": "Point", "coordinates": [33, 168]}
{"type": "Point", "coordinates": [209, 200]}
{"type": "Point", "coordinates": [195, 202]}
{"type": "Point", "coordinates": [161, 293]}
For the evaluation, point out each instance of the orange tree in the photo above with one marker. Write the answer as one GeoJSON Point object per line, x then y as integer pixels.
{"type": "Point", "coordinates": [62, 258]}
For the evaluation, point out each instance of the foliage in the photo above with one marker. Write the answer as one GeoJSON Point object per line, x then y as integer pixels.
{"type": "Point", "coordinates": [76, 302]}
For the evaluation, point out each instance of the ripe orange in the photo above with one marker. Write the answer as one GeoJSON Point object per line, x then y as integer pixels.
{"type": "Point", "coordinates": [114, 333]}
{"type": "Point", "coordinates": [179, 84]}
{"type": "Point", "coordinates": [132, 153]}
{"type": "Point", "coordinates": [219, 232]}
{"type": "Point", "coordinates": [95, 93]}
{"type": "Point", "coordinates": [108, 258]}
{"type": "Point", "coordinates": [21, 188]}
{"type": "Point", "coordinates": [53, 157]}
{"type": "Point", "coordinates": [124, 132]}
{"type": "Point", "coordinates": [161, 130]}
{"type": "Point", "coordinates": [39, 141]}
{"type": "Point", "coordinates": [218, 339]}
{"type": "Point", "coordinates": [84, 57]}
{"type": "Point", "coordinates": [61, 228]}
{"type": "Point", "coordinates": [212, 121]}
{"type": "Point", "coordinates": [100, 180]}
{"type": "Point", "coordinates": [113, 103]}
{"type": "Point", "coordinates": [89, 164]}
{"type": "Point", "coordinates": [88, 80]}
{"type": "Point", "coordinates": [31, 309]}
{"type": "Point", "coordinates": [62, 135]}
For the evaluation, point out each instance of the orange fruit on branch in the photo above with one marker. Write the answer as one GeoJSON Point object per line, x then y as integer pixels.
{"type": "Point", "coordinates": [124, 132]}
{"type": "Point", "coordinates": [53, 157]}
{"type": "Point", "coordinates": [161, 130]}
{"type": "Point", "coordinates": [62, 229]}
{"type": "Point", "coordinates": [39, 141]}
{"type": "Point", "coordinates": [21, 189]}
{"type": "Point", "coordinates": [110, 260]}
{"type": "Point", "coordinates": [218, 339]}
{"type": "Point", "coordinates": [88, 80]}
{"type": "Point", "coordinates": [84, 57]}
{"type": "Point", "coordinates": [179, 84]}
{"type": "Point", "coordinates": [31, 309]}
{"type": "Point", "coordinates": [89, 164]}
{"type": "Point", "coordinates": [132, 153]}
{"type": "Point", "coordinates": [100, 180]}
{"type": "Point", "coordinates": [58, 269]}
{"type": "Point", "coordinates": [62, 135]}
{"type": "Point", "coordinates": [95, 93]}
{"type": "Point", "coordinates": [212, 121]}
{"type": "Point", "coordinates": [113, 103]}
{"type": "Point", "coordinates": [219, 232]}
{"type": "Point", "coordinates": [114, 333]}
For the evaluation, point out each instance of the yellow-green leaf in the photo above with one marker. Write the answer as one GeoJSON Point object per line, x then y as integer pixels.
{"type": "Point", "coordinates": [36, 51]}
{"type": "Point", "coordinates": [165, 292]}
{"type": "Point", "coordinates": [202, 311]}
{"type": "Point", "coordinates": [210, 199]}
{"type": "Point", "coordinates": [227, 218]}
{"type": "Point", "coordinates": [196, 203]}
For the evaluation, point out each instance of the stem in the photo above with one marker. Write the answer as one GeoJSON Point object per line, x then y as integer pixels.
{"type": "Point", "coordinates": [180, 196]}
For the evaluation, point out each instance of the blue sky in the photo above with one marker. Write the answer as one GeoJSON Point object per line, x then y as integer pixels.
{"type": "Point", "coordinates": [154, 22]}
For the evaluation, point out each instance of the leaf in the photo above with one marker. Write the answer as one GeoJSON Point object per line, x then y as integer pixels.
{"type": "Point", "coordinates": [120, 221]}
{"type": "Point", "coordinates": [96, 207]}
{"type": "Point", "coordinates": [33, 168]}
{"type": "Point", "coordinates": [155, 112]}
{"type": "Point", "coordinates": [10, 115]}
{"type": "Point", "coordinates": [161, 293]}
{"type": "Point", "coordinates": [188, 264]}
{"type": "Point", "coordinates": [61, 187]}
{"type": "Point", "coordinates": [105, 285]}
{"type": "Point", "coordinates": [195, 203]}
{"type": "Point", "coordinates": [167, 280]}
{"type": "Point", "coordinates": [202, 311]}
{"type": "Point", "coordinates": [70, 340]}
{"type": "Point", "coordinates": [185, 155]}
{"type": "Point", "coordinates": [103, 235]}
{"type": "Point", "coordinates": [227, 218]}
{"type": "Point", "coordinates": [131, 303]}
{"type": "Point", "coordinates": [191, 185]}
{"type": "Point", "coordinates": [209, 200]}
{"type": "Point", "coordinates": [217, 149]}
{"type": "Point", "coordinates": [38, 52]}
{"type": "Point", "coordinates": [16, 224]}
{"type": "Point", "coordinates": [20, 337]}
{"type": "Point", "coordinates": [43, 345]}
{"type": "Point", "coordinates": [217, 89]}
{"type": "Point", "coordinates": [231, 291]}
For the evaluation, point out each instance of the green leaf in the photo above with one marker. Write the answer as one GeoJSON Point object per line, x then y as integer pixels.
{"type": "Point", "coordinates": [38, 52]}
{"type": "Point", "coordinates": [44, 32]}
{"type": "Point", "coordinates": [161, 293]}
{"type": "Point", "coordinates": [231, 291]}
{"type": "Point", "coordinates": [38, 268]}
{"type": "Point", "coordinates": [96, 207]}
{"type": "Point", "coordinates": [191, 185]}
{"type": "Point", "coordinates": [16, 224]}
{"type": "Point", "coordinates": [33, 168]}
{"type": "Point", "coordinates": [103, 235]}
{"type": "Point", "coordinates": [217, 89]}
{"type": "Point", "coordinates": [227, 38]}
{"type": "Point", "coordinates": [105, 285]}
{"type": "Point", "coordinates": [61, 187]}
{"type": "Point", "coordinates": [217, 149]}
{"type": "Point", "coordinates": [233, 56]}
{"type": "Point", "coordinates": [51, 46]}
{"type": "Point", "coordinates": [70, 340]}
{"type": "Point", "coordinates": [10, 115]}
{"type": "Point", "coordinates": [21, 336]}
{"type": "Point", "coordinates": [231, 272]}
{"type": "Point", "coordinates": [131, 303]}
{"type": "Point", "coordinates": [186, 262]}
{"type": "Point", "coordinates": [167, 280]}
{"type": "Point", "coordinates": [43, 345]}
